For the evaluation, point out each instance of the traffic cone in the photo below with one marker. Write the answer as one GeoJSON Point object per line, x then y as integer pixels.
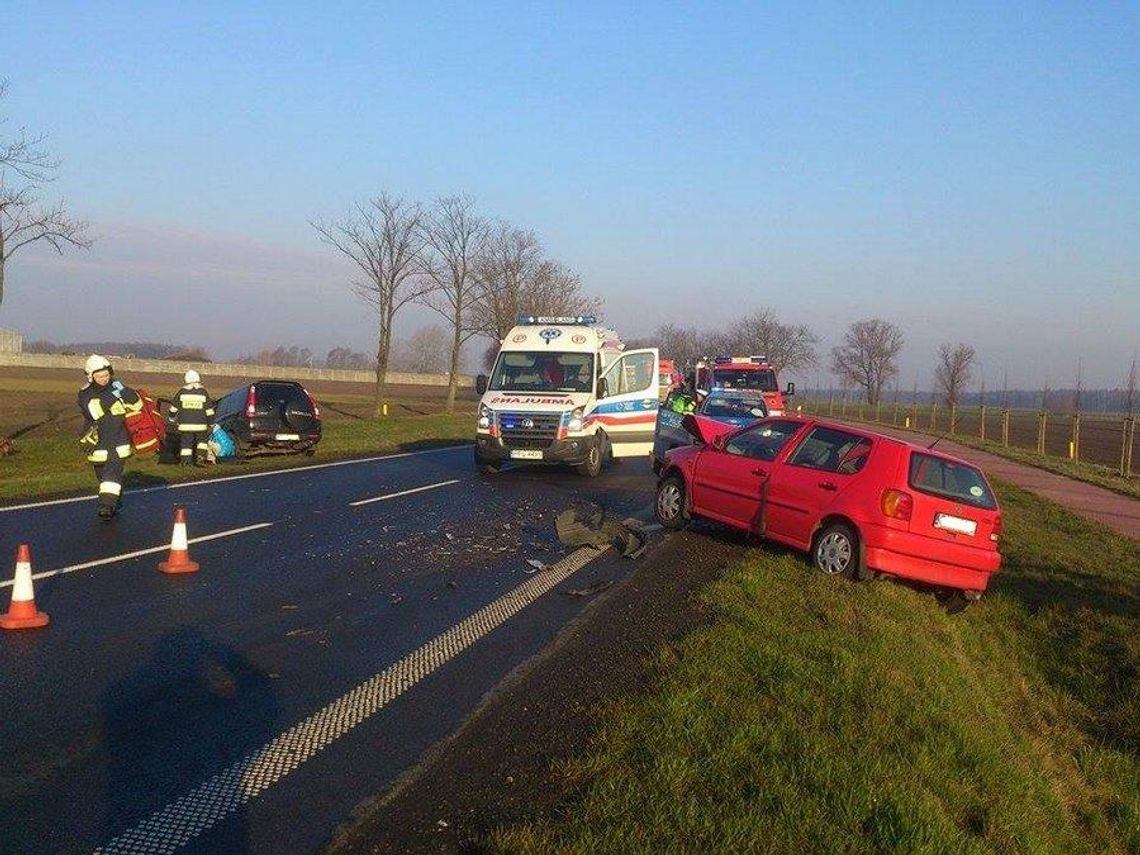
{"type": "Point", "coordinates": [179, 560]}
{"type": "Point", "coordinates": [22, 613]}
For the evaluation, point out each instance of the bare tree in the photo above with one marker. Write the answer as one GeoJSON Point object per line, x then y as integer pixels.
{"type": "Point", "coordinates": [867, 356]}
{"type": "Point", "coordinates": [383, 238]}
{"type": "Point", "coordinates": [425, 352]}
{"type": "Point", "coordinates": [23, 220]}
{"type": "Point", "coordinates": [681, 344]}
{"type": "Point", "coordinates": [455, 236]}
{"type": "Point", "coordinates": [953, 371]}
{"type": "Point", "coordinates": [787, 347]}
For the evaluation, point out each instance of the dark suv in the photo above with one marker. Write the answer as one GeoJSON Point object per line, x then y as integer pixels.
{"type": "Point", "coordinates": [270, 415]}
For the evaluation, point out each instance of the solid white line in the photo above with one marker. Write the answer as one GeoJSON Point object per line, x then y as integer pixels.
{"type": "Point", "coordinates": [47, 574]}
{"type": "Point", "coordinates": [404, 493]}
{"type": "Point", "coordinates": [175, 825]}
{"type": "Point", "coordinates": [239, 477]}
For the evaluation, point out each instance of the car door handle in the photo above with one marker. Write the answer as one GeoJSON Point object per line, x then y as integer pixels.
{"type": "Point", "coordinates": [828, 485]}
{"type": "Point", "coordinates": [763, 473]}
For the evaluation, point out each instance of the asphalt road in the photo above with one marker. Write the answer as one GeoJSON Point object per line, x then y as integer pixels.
{"type": "Point", "coordinates": [321, 649]}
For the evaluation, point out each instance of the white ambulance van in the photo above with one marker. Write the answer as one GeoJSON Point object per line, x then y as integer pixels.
{"type": "Point", "coordinates": [565, 390]}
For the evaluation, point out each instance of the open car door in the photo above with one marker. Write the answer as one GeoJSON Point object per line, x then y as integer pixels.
{"type": "Point", "coordinates": [628, 413]}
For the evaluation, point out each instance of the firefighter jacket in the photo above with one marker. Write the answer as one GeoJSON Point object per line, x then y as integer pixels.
{"type": "Point", "coordinates": [192, 410]}
{"type": "Point", "coordinates": [104, 411]}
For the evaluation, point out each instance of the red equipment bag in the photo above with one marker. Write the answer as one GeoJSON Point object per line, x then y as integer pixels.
{"type": "Point", "coordinates": [146, 427]}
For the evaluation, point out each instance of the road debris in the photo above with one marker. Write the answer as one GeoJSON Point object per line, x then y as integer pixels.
{"type": "Point", "coordinates": [589, 527]}
{"type": "Point", "coordinates": [590, 590]}
{"type": "Point", "coordinates": [396, 599]}
{"type": "Point", "coordinates": [536, 564]}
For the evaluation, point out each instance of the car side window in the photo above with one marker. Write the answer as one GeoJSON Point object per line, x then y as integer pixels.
{"type": "Point", "coordinates": [762, 441]}
{"type": "Point", "coordinates": [831, 450]}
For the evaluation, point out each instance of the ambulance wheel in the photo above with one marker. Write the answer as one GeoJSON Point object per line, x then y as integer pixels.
{"type": "Point", "coordinates": [593, 463]}
{"type": "Point", "coordinates": [485, 467]}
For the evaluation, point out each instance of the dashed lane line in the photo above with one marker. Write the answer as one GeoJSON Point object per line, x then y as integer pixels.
{"type": "Point", "coordinates": [403, 493]}
{"type": "Point", "coordinates": [183, 484]}
{"type": "Point", "coordinates": [178, 823]}
{"type": "Point", "coordinates": [126, 556]}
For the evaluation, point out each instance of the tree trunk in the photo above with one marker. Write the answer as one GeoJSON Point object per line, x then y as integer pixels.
{"type": "Point", "coordinates": [3, 262]}
{"type": "Point", "coordinates": [383, 350]}
{"type": "Point", "coordinates": [453, 376]}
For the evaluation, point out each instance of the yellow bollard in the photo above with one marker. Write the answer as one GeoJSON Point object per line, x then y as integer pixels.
{"type": "Point", "coordinates": [384, 409]}
{"type": "Point", "coordinates": [908, 421]}
{"type": "Point", "coordinates": [1071, 449]}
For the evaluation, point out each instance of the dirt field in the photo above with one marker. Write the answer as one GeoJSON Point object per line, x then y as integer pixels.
{"type": "Point", "coordinates": [40, 402]}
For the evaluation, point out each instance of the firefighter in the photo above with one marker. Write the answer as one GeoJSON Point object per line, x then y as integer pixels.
{"type": "Point", "coordinates": [105, 403]}
{"type": "Point", "coordinates": [192, 414]}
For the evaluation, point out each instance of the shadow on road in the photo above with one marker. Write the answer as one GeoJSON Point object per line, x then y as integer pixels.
{"type": "Point", "coordinates": [192, 709]}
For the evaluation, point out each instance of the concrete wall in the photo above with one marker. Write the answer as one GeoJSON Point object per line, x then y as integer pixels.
{"type": "Point", "coordinates": [11, 341]}
{"type": "Point", "coordinates": [225, 369]}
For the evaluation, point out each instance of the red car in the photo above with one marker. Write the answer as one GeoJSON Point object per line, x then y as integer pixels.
{"type": "Point", "coordinates": [859, 502]}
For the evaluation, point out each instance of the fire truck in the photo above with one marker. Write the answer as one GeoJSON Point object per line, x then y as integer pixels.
{"type": "Point", "coordinates": [668, 377]}
{"type": "Point", "coordinates": [743, 372]}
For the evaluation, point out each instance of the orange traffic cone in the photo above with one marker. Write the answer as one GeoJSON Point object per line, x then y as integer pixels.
{"type": "Point", "coordinates": [22, 613]}
{"type": "Point", "coordinates": [179, 560]}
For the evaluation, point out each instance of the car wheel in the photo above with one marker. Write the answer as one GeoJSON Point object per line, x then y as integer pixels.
{"type": "Point", "coordinates": [593, 464]}
{"type": "Point", "coordinates": [955, 601]}
{"type": "Point", "coordinates": [670, 505]}
{"type": "Point", "coordinates": [836, 552]}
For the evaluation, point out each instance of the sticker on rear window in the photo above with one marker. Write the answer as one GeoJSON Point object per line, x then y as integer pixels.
{"type": "Point", "coordinates": [977, 491]}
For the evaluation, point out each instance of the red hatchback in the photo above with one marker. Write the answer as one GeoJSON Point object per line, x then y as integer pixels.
{"type": "Point", "coordinates": [859, 502]}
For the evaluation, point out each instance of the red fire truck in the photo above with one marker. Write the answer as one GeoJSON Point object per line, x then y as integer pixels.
{"type": "Point", "coordinates": [667, 376]}
{"type": "Point", "coordinates": [743, 372]}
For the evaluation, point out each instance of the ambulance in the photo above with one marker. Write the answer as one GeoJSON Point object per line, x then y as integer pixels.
{"type": "Point", "coordinates": [753, 373]}
{"type": "Point", "coordinates": [565, 391]}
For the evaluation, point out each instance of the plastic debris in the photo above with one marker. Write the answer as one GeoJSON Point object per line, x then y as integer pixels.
{"type": "Point", "coordinates": [590, 590]}
{"type": "Point", "coordinates": [535, 564]}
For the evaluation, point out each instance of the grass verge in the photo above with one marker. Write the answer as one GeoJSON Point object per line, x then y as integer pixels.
{"type": "Point", "coordinates": [55, 465]}
{"type": "Point", "coordinates": [819, 715]}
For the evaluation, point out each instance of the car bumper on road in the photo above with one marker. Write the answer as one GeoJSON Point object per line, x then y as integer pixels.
{"type": "Point", "coordinates": [571, 450]}
{"type": "Point", "coordinates": [908, 555]}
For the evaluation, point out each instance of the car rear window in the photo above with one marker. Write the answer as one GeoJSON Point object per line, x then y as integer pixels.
{"type": "Point", "coordinates": [951, 480]}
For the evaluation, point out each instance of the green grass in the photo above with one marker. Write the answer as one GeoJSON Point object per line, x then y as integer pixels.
{"type": "Point", "coordinates": [817, 715]}
{"type": "Point", "coordinates": [47, 465]}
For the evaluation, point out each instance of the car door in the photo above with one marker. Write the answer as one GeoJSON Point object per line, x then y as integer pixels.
{"type": "Point", "coordinates": [628, 413]}
{"type": "Point", "coordinates": [809, 479]}
{"type": "Point", "coordinates": [729, 479]}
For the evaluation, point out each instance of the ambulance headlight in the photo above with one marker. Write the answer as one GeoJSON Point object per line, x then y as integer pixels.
{"type": "Point", "coordinates": [575, 420]}
{"type": "Point", "coordinates": [485, 416]}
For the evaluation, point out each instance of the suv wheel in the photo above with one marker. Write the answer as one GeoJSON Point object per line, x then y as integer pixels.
{"type": "Point", "coordinates": [836, 552]}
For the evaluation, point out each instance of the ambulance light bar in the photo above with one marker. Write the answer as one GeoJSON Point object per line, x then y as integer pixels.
{"type": "Point", "coordinates": [571, 320]}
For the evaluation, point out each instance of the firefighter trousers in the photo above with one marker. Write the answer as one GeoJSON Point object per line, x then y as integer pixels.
{"type": "Point", "coordinates": [192, 445]}
{"type": "Point", "coordinates": [110, 476]}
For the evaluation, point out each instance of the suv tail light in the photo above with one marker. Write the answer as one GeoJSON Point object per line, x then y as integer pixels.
{"type": "Point", "coordinates": [897, 504]}
{"type": "Point", "coordinates": [251, 402]}
{"type": "Point", "coordinates": [313, 403]}
{"type": "Point", "coordinates": [996, 533]}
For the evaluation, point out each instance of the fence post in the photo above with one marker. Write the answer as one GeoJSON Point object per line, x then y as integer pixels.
{"type": "Point", "coordinates": [843, 407]}
{"type": "Point", "coordinates": [1042, 422]}
{"type": "Point", "coordinates": [895, 415]}
{"type": "Point", "coordinates": [1076, 441]}
{"type": "Point", "coordinates": [934, 417]}
{"type": "Point", "coordinates": [953, 418]}
{"type": "Point", "coordinates": [859, 412]}
{"type": "Point", "coordinates": [1005, 426]}
{"type": "Point", "coordinates": [878, 410]}
{"type": "Point", "coordinates": [982, 430]}
{"type": "Point", "coordinates": [1129, 432]}
{"type": "Point", "coordinates": [830, 403]}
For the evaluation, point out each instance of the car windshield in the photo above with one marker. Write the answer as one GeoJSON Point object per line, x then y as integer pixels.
{"type": "Point", "coordinates": [951, 480]}
{"type": "Point", "coordinates": [716, 406]}
{"type": "Point", "coordinates": [543, 371]}
{"type": "Point", "coordinates": [729, 378]}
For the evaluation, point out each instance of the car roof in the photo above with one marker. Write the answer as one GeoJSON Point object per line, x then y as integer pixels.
{"type": "Point", "coordinates": [876, 435]}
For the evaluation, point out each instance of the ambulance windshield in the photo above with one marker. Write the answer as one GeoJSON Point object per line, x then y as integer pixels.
{"type": "Point", "coordinates": [543, 371]}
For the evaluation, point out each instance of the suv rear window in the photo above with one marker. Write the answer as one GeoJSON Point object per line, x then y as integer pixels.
{"type": "Point", "coordinates": [951, 480]}
{"type": "Point", "coordinates": [272, 394]}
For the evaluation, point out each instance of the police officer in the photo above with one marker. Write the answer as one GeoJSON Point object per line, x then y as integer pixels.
{"type": "Point", "coordinates": [105, 403]}
{"type": "Point", "coordinates": [681, 401]}
{"type": "Point", "coordinates": [192, 412]}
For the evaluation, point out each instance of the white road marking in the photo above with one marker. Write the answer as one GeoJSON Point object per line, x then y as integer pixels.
{"type": "Point", "coordinates": [203, 807]}
{"type": "Point", "coordinates": [404, 493]}
{"type": "Point", "coordinates": [238, 477]}
{"type": "Point", "coordinates": [47, 574]}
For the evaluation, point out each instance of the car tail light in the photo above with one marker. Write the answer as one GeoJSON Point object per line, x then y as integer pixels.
{"type": "Point", "coordinates": [251, 402]}
{"type": "Point", "coordinates": [313, 403]}
{"type": "Point", "coordinates": [996, 533]}
{"type": "Point", "coordinates": [897, 504]}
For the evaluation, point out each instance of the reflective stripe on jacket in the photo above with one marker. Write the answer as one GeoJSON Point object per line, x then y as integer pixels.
{"type": "Point", "coordinates": [192, 409]}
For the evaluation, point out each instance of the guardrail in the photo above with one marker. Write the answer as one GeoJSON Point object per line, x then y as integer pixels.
{"type": "Point", "coordinates": [228, 369]}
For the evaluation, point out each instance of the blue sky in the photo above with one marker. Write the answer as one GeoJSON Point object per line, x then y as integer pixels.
{"type": "Point", "coordinates": [971, 172]}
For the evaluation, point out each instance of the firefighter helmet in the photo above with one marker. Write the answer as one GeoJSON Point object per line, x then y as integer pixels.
{"type": "Point", "coordinates": [94, 363]}
{"type": "Point", "coordinates": [191, 376]}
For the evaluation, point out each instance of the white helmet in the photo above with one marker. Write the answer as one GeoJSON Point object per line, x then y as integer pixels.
{"type": "Point", "coordinates": [191, 376]}
{"type": "Point", "coordinates": [94, 363]}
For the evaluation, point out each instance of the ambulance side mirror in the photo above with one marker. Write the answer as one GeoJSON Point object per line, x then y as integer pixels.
{"type": "Point", "coordinates": [791, 389]}
{"type": "Point", "coordinates": [480, 384]}
{"type": "Point", "coordinates": [603, 387]}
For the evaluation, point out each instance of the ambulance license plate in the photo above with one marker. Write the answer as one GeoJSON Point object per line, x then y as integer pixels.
{"type": "Point", "coordinates": [287, 436]}
{"type": "Point", "coordinates": [526, 454]}
{"type": "Point", "coordinates": [946, 522]}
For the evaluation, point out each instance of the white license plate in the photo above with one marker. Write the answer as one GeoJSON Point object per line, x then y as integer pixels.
{"type": "Point", "coordinates": [526, 454]}
{"type": "Point", "coordinates": [287, 436]}
{"type": "Point", "coordinates": [946, 522]}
